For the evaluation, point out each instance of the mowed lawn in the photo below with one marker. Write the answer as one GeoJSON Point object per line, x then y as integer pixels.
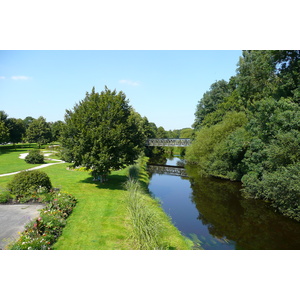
{"type": "Point", "coordinates": [100, 220]}
{"type": "Point", "coordinates": [10, 161]}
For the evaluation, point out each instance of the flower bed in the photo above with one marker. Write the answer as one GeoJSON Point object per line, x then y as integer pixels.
{"type": "Point", "coordinates": [43, 232]}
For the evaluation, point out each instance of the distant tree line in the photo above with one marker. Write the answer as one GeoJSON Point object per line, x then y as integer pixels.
{"type": "Point", "coordinates": [30, 130]}
{"type": "Point", "coordinates": [248, 129]}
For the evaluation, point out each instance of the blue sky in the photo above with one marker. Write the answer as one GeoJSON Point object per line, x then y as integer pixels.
{"type": "Point", "coordinates": [165, 86]}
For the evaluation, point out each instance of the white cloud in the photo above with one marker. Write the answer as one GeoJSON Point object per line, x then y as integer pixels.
{"type": "Point", "coordinates": [129, 82]}
{"type": "Point", "coordinates": [2, 77]}
{"type": "Point", "coordinates": [20, 77]}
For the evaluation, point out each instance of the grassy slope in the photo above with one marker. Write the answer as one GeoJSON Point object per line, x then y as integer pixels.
{"type": "Point", "coordinates": [100, 219]}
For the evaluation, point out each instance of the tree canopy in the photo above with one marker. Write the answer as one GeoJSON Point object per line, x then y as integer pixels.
{"type": "Point", "coordinates": [102, 132]}
{"type": "Point", "coordinates": [262, 150]}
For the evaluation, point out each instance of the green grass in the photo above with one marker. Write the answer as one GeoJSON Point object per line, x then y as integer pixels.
{"type": "Point", "coordinates": [10, 161]}
{"type": "Point", "coordinates": [100, 219]}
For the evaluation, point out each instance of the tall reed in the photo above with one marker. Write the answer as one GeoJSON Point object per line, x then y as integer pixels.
{"type": "Point", "coordinates": [147, 229]}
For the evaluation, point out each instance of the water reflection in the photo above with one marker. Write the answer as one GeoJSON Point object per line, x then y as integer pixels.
{"type": "Point", "coordinates": [214, 211]}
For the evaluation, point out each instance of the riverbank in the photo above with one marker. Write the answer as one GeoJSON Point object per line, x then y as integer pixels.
{"type": "Point", "coordinates": [151, 227]}
{"type": "Point", "coordinates": [100, 219]}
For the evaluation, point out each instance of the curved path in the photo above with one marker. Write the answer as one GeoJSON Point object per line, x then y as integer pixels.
{"type": "Point", "coordinates": [23, 155]}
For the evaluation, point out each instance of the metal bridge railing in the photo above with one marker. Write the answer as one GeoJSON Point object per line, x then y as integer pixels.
{"type": "Point", "coordinates": [168, 142]}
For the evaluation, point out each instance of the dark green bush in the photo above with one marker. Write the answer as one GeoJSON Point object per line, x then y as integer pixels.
{"type": "Point", "coordinates": [5, 196]}
{"type": "Point", "coordinates": [35, 157]}
{"type": "Point", "coordinates": [28, 182]}
{"type": "Point", "coordinates": [281, 188]}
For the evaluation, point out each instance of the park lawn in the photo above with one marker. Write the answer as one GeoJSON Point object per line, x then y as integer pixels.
{"type": "Point", "coordinates": [10, 161]}
{"type": "Point", "coordinates": [100, 219]}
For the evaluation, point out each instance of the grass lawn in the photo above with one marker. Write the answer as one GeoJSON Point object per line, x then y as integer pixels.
{"type": "Point", "coordinates": [100, 218]}
{"type": "Point", "coordinates": [10, 161]}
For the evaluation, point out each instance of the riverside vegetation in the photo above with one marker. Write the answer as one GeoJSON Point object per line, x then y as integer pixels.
{"type": "Point", "coordinates": [248, 129]}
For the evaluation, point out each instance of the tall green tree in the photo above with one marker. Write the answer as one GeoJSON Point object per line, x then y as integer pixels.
{"type": "Point", "coordinates": [256, 76]}
{"type": "Point", "coordinates": [101, 132]}
{"type": "Point", "coordinates": [4, 133]}
{"type": "Point", "coordinates": [16, 130]}
{"type": "Point", "coordinates": [27, 121]}
{"type": "Point", "coordinates": [56, 130]}
{"type": "Point", "coordinates": [38, 132]}
{"type": "Point", "coordinates": [217, 94]}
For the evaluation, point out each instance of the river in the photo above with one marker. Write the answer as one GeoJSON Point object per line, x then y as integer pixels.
{"type": "Point", "coordinates": [215, 215]}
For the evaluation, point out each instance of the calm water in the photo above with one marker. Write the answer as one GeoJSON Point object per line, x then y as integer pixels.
{"type": "Point", "coordinates": [213, 212]}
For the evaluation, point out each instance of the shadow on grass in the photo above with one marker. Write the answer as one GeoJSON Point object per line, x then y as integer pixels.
{"type": "Point", "coordinates": [115, 182]}
{"type": "Point", "coordinates": [4, 149]}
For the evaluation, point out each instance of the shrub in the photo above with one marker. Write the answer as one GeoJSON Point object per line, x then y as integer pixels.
{"type": "Point", "coordinates": [5, 196]}
{"type": "Point", "coordinates": [35, 157]}
{"type": "Point", "coordinates": [281, 188]}
{"type": "Point", "coordinates": [26, 183]}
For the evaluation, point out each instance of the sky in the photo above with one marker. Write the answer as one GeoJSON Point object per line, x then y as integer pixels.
{"type": "Point", "coordinates": [163, 85]}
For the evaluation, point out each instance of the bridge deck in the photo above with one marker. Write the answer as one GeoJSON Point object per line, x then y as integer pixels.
{"type": "Point", "coordinates": [169, 142]}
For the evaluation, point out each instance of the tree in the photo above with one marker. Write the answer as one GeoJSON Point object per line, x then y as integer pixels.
{"type": "Point", "coordinates": [4, 133]}
{"type": "Point", "coordinates": [56, 130]}
{"type": "Point", "coordinates": [39, 132]}
{"type": "Point", "coordinates": [27, 121]}
{"type": "Point", "coordinates": [256, 76]}
{"type": "Point", "coordinates": [211, 99]}
{"type": "Point", "coordinates": [16, 130]}
{"type": "Point", "coordinates": [101, 133]}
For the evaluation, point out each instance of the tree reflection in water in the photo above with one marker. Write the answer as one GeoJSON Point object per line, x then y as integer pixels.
{"type": "Point", "coordinates": [250, 223]}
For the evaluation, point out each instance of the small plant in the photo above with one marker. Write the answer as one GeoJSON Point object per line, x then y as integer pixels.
{"type": "Point", "coordinates": [35, 157]}
{"type": "Point", "coordinates": [28, 183]}
{"type": "Point", "coordinates": [5, 196]}
{"type": "Point", "coordinates": [133, 172]}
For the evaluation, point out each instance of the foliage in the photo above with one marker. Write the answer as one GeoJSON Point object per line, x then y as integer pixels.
{"type": "Point", "coordinates": [38, 132]}
{"type": "Point", "coordinates": [263, 152]}
{"type": "Point", "coordinates": [281, 187]}
{"type": "Point", "coordinates": [5, 196]}
{"type": "Point", "coordinates": [210, 100]}
{"type": "Point", "coordinates": [102, 132]}
{"type": "Point", "coordinates": [35, 157]}
{"type": "Point", "coordinates": [43, 232]}
{"type": "Point", "coordinates": [27, 183]}
{"type": "Point", "coordinates": [16, 130]}
{"type": "Point", "coordinates": [56, 130]}
{"type": "Point", "coordinates": [4, 133]}
{"type": "Point", "coordinates": [210, 139]}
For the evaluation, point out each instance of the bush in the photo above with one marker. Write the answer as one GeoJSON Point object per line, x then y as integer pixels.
{"type": "Point", "coordinates": [34, 157]}
{"type": "Point", "coordinates": [29, 182]}
{"type": "Point", "coordinates": [281, 188]}
{"type": "Point", "coordinates": [5, 196]}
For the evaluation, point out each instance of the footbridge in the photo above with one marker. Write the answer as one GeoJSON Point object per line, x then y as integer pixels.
{"type": "Point", "coordinates": [168, 142]}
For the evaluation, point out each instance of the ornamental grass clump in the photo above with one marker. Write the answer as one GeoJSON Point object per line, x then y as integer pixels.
{"type": "Point", "coordinates": [147, 229]}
